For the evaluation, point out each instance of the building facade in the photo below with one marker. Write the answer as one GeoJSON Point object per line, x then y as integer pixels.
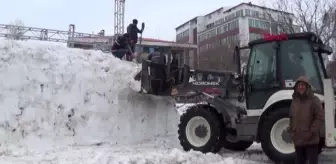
{"type": "Point", "coordinates": [218, 32]}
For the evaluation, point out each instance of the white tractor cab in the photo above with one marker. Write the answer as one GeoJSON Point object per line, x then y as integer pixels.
{"type": "Point", "coordinates": [255, 104]}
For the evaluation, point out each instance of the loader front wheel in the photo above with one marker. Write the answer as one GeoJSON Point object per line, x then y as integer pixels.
{"type": "Point", "coordinates": [275, 140]}
{"type": "Point", "coordinates": [200, 129]}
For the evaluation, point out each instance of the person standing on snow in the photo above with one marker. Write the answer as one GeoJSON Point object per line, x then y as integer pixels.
{"type": "Point", "coordinates": [306, 121]}
{"type": "Point", "coordinates": [133, 31]}
{"type": "Point", "coordinates": [121, 46]}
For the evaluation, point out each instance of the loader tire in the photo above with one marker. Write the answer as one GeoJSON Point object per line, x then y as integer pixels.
{"type": "Point", "coordinates": [275, 140]}
{"type": "Point", "coordinates": [237, 146]}
{"type": "Point", "coordinates": [202, 124]}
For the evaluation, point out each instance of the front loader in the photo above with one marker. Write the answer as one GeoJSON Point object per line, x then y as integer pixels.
{"type": "Point", "coordinates": [254, 104]}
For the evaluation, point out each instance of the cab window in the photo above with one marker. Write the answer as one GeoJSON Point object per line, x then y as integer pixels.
{"type": "Point", "coordinates": [297, 59]}
{"type": "Point", "coordinates": [262, 66]}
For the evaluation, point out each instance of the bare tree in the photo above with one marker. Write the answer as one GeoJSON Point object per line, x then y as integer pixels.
{"type": "Point", "coordinates": [15, 30]}
{"type": "Point", "coordinates": [220, 56]}
{"type": "Point", "coordinates": [318, 16]}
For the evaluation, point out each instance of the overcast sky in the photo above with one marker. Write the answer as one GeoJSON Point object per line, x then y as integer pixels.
{"type": "Point", "coordinates": [161, 16]}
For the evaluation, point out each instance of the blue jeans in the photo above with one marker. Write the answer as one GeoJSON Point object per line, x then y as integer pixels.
{"type": "Point", "coordinates": [120, 53]}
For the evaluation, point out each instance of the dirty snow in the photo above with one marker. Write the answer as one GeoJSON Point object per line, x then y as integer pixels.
{"type": "Point", "coordinates": [73, 106]}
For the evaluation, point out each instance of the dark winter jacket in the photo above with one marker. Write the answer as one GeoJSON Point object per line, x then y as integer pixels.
{"type": "Point", "coordinates": [174, 63]}
{"type": "Point", "coordinates": [133, 31]}
{"type": "Point", "coordinates": [306, 116]}
{"type": "Point", "coordinates": [120, 43]}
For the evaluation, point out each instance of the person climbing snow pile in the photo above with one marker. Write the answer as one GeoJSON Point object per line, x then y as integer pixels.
{"type": "Point", "coordinates": [133, 31]}
{"type": "Point", "coordinates": [306, 122]}
{"type": "Point", "coordinates": [120, 47]}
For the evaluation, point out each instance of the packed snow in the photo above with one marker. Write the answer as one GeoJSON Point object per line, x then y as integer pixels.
{"type": "Point", "coordinates": [62, 105]}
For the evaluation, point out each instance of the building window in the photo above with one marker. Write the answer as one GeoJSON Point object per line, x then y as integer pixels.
{"type": "Point", "coordinates": [281, 18]}
{"type": "Point", "coordinates": [182, 35]}
{"type": "Point", "coordinates": [220, 29]}
{"type": "Point", "coordinates": [239, 13]}
{"type": "Point", "coordinates": [211, 33]}
{"type": "Point", "coordinates": [230, 17]}
{"type": "Point", "coordinates": [254, 36]}
{"type": "Point", "coordinates": [226, 28]}
{"type": "Point", "coordinates": [202, 37]}
{"type": "Point", "coordinates": [255, 14]}
{"type": "Point", "coordinates": [233, 25]}
{"type": "Point", "coordinates": [211, 45]}
{"type": "Point", "coordinates": [203, 48]}
{"type": "Point", "coordinates": [220, 21]}
{"type": "Point", "coordinates": [259, 24]}
{"type": "Point", "coordinates": [250, 22]}
{"type": "Point", "coordinates": [228, 40]}
{"type": "Point", "coordinates": [210, 25]}
{"type": "Point", "coordinates": [264, 16]}
{"type": "Point", "coordinates": [247, 12]}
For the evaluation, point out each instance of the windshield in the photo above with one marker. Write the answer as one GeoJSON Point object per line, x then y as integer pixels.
{"type": "Point", "coordinates": [297, 59]}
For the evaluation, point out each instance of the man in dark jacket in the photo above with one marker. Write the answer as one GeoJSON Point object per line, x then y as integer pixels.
{"type": "Point", "coordinates": [133, 31]}
{"type": "Point", "coordinates": [120, 46]}
{"type": "Point", "coordinates": [306, 121]}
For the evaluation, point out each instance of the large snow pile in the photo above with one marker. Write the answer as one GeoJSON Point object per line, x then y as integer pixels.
{"type": "Point", "coordinates": [55, 94]}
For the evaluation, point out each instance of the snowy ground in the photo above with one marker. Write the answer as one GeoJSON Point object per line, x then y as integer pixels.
{"type": "Point", "coordinates": [160, 151]}
{"type": "Point", "coordinates": [71, 106]}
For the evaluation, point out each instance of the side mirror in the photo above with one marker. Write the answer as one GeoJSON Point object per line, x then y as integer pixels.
{"type": "Point", "coordinates": [323, 48]}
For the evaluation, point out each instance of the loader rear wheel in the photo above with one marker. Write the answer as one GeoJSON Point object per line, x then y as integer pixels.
{"type": "Point", "coordinates": [275, 140]}
{"type": "Point", "coordinates": [200, 129]}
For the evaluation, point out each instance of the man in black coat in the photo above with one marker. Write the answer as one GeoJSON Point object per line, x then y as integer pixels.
{"type": "Point", "coordinates": [133, 31]}
{"type": "Point", "coordinates": [120, 46]}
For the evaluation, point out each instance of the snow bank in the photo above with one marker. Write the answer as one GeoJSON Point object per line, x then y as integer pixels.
{"type": "Point", "coordinates": [79, 97]}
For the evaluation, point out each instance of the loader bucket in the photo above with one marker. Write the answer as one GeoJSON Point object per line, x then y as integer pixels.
{"type": "Point", "coordinates": [153, 78]}
{"type": "Point", "coordinates": [156, 80]}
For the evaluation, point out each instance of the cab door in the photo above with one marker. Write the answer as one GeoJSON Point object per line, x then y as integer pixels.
{"type": "Point", "coordinates": [261, 80]}
{"type": "Point", "coordinates": [330, 114]}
